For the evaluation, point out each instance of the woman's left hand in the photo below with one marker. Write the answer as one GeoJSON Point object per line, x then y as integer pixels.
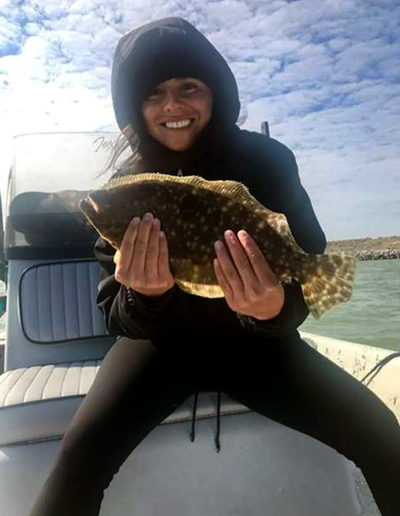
{"type": "Point", "coordinates": [247, 281]}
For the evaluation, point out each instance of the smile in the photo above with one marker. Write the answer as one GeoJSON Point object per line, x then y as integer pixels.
{"type": "Point", "coordinates": [178, 125]}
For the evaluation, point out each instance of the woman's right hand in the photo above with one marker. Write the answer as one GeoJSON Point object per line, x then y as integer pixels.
{"type": "Point", "coordinates": [142, 262]}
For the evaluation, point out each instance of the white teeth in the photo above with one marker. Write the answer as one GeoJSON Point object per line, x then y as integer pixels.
{"type": "Point", "coordinates": [177, 125]}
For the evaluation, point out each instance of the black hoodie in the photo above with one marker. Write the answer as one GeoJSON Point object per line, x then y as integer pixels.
{"type": "Point", "coordinates": [151, 54]}
{"type": "Point", "coordinates": [145, 57]}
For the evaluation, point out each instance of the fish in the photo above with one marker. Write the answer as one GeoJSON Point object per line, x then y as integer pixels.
{"type": "Point", "coordinates": [195, 212]}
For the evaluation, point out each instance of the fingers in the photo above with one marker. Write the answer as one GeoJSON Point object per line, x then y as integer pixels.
{"type": "Point", "coordinates": [157, 258]}
{"type": "Point", "coordinates": [131, 258]}
{"type": "Point", "coordinates": [240, 258]}
{"type": "Point", "coordinates": [123, 258]}
{"type": "Point", "coordinates": [143, 261]}
{"type": "Point", "coordinates": [151, 261]}
{"type": "Point", "coordinates": [235, 267]}
{"type": "Point", "coordinates": [226, 272]}
{"type": "Point", "coordinates": [141, 244]}
{"type": "Point", "coordinates": [222, 280]}
{"type": "Point", "coordinates": [163, 257]}
{"type": "Point", "coordinates": [256, 258]}
{"type": "Point", "coordinates": [241, 267]}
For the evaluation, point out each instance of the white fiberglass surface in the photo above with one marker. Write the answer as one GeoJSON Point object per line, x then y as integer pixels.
{"type": "Point", "coordinates": [60, 161]}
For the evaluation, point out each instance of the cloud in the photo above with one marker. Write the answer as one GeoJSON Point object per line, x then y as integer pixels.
{"type": "Point", "coordinates": [325, 75]}
{"type": "Point", "coordinates": [9, 41]}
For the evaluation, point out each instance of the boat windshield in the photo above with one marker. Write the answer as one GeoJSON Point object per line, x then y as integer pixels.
{"type": "Point", "coordinates": [51, 173]}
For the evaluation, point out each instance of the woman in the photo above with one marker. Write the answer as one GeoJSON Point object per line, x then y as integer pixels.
{"type": "Point", "coordinates": [177, 101]}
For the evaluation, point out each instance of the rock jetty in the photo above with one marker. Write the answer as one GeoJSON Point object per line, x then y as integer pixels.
{"type": "Point", "coordinates": [384, 254]}
{"type": "Point", "coordinates": [382, 248]}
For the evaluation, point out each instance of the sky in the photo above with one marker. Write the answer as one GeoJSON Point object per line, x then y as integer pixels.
{"type": "Point", "coordinates": [325, 75]}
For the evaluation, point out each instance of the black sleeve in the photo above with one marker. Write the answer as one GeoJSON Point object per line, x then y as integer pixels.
{"type": "Point", "coordinates": [280, 190]}
{"type": "Point", "coordinates": [127, 312]}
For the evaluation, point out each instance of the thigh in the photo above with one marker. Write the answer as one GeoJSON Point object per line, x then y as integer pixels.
{"type": "Point", "coordinates": [135, 389]}
{"type": "Point", "coordinates": [290, 382]}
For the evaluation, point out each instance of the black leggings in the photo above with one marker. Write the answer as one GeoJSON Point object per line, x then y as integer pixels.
{"type": "Point", "coordinates": [138, 386]}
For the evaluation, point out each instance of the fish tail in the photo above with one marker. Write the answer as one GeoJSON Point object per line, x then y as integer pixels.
{"type": "Point", "coordinates": [329, 281]}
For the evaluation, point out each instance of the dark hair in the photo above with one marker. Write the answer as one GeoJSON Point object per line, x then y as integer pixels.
{"type": "Point", "coordinates": [127, 138]}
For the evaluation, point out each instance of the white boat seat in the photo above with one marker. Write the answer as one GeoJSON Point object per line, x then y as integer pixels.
{"type": "Point", "coordinates": [38, 402]}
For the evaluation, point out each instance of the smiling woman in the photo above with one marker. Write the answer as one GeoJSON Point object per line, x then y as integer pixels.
{"type": "Point", "coordinates": [177, 110]}
{"type": "Point", "coordinates": [175, 93]}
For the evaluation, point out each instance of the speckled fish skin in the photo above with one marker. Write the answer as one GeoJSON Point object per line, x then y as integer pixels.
{"type": "Point", "coordinates": [194, 213]}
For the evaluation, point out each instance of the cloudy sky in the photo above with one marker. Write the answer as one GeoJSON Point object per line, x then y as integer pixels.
{"type": "Point", "coordinates": [325, 75]}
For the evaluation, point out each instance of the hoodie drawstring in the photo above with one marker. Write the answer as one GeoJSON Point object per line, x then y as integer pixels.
{"type": "Point", "coordinates": [217, 441]}
{"type": "Point", "coordinates": [196, 395]}
{"type": "Point", "coordinates": [192, 433]}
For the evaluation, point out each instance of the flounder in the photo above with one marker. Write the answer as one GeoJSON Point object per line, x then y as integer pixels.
{"type": "Point", "coordinates": [195, 212]}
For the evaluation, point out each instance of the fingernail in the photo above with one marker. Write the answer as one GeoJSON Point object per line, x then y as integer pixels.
{"type": "Point", "coordinates": [148, 216]}
{"type": "Point", "coordinates": [230, 234]}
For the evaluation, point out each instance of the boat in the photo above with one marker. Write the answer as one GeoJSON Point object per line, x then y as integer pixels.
{"type": "Point", "coordinates": [55, 344]}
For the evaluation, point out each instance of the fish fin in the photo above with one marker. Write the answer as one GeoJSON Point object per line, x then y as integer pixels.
{"type": "Point", "coordinates": [212, 291]}
{"type": "Point", "coordinates": [329, 283]}
{"type": "Point", "coordinates": [279, 223]}
{"type": "Point", "coordinates": [233, 189]}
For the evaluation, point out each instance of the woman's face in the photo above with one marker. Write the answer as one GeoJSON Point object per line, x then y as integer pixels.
{"type": "Point", "coordinates": [177, 110]}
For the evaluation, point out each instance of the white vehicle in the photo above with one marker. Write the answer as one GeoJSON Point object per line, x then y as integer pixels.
{"type": "Point", "coordinates": [55, 343]}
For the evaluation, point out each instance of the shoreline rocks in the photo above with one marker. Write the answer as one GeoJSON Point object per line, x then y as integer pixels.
{"type": "Point", "coordinates": [381, 248]}
{"type": "Point", "coordinates": [380, 254]}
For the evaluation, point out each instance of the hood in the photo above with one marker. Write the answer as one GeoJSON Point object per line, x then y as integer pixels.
{"type": "Point", "coordinates": [161, 50]}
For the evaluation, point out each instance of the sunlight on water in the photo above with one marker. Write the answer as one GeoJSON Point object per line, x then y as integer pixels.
{"type": "Point", "coordinates": [372, 316]}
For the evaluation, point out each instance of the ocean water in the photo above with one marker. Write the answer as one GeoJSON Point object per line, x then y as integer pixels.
{"type": "Point", "coordinates": [372, 316]}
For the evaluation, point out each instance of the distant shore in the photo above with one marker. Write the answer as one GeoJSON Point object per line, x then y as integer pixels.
{"type": "Point", "coordinates": [382, 248]}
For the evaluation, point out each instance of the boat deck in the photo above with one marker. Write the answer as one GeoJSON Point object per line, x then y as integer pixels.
{"type": "Point", "coordinates": [363, 491]}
